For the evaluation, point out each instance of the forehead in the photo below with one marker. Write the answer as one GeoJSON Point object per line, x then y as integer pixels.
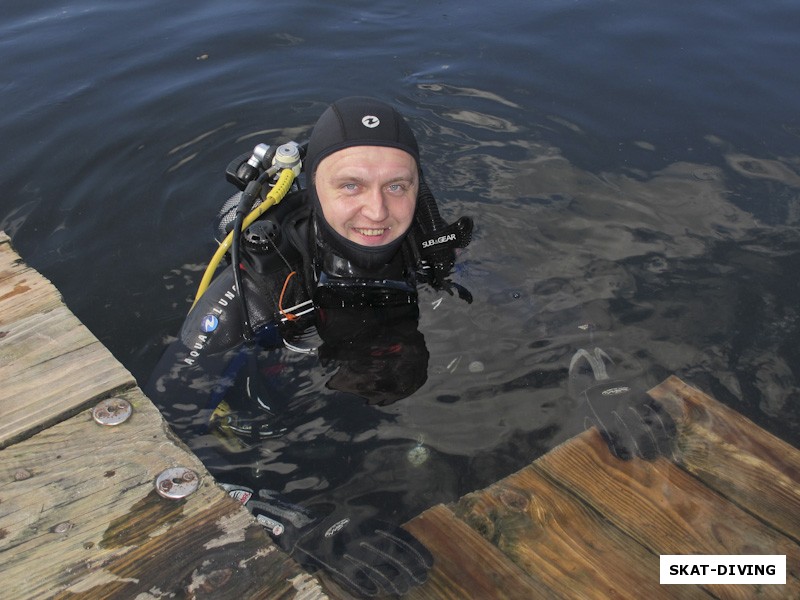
{"type": "Point", "coordinates": [378, 160]}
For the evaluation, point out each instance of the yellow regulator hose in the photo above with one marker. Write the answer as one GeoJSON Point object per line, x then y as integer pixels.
{"type": "Point", "coordinates": [275, 195]}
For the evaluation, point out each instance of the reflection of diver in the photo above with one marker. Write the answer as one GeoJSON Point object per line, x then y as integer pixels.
{"type": "Point", "coordinates": [630, 421]}
{"type": "Point", "coordinates": [375, 353]}
{"type": "Point", "coordinates": [344, 255]}
{"type": "Point", "coordinates": [379, 354]}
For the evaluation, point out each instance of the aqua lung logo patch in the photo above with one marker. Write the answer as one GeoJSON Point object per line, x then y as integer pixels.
{"type": "Point", "coordinates": [209, 323]}
{"type": "Point", "coordinates": [370, 121]}
{"type": "Point", "coordinates": [241, 495]}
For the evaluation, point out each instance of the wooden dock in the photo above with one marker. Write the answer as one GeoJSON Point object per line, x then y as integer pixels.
{"type": "Point", "coordinates": [80, 516]}
{"type": "Point", "coordinates": [79, 513]}
{"type": "Point", "coordinates": [579, 523]}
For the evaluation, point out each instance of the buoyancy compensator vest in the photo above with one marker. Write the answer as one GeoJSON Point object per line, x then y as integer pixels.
{"type": "Point", "coordinates": [286, 260]}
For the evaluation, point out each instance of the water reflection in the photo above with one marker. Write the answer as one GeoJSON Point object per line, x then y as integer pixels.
{"type": "Point", "coordinates": [611, 206]}
{"type": "Point", "coordinates": [675, 267]}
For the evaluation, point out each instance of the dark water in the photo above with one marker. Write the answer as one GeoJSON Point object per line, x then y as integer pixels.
{"type": "Point", "coordinates": [632, 167]}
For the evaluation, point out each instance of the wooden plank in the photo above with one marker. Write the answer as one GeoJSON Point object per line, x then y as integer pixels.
{"type": "Point", "coordinates": [559, 540]}
{"type": "Point", "coordinates": [79, 517]}
{"type": "Point", "coordinates": [79, 514]}
{"type": "Point", "coordinates": [667, 510]}
{"type": "Point", "coordinates": [51, 367]}
{"type": "Point", "coordinates": [23, 291]}
{"type": "Point", "coordinates": [188, 565]}
{"type": "Point", "coordinates": [732, 455]}
{"type": "Point", "coordinates": [467, 566]}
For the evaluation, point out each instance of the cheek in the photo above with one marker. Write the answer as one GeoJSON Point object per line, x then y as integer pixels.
{"type": "Point", "coordinates": [337, 214]}
{"type": "Point", "coordinates": [405, 212]}
{"type": "Point", "coordinates": [332, 208]}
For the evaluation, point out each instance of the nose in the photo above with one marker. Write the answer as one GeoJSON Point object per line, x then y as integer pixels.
{"type": "Point", "coordinates": [375, 207]}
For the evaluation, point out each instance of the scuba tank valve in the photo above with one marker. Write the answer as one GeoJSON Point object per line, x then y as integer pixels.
{"type": "Point", "coordinates": [287, 156]}
{"type": "Point", "coordinates": [286, 165]}
{"type": "Point", "coordinates": [249, 170]}
{"type": "Point", "coordinates": [247, 167]}
{"type": "Point", "coordinates": [286, 159]}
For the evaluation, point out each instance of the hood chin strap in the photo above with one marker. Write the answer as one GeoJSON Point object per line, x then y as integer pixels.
{"type": "Point", "coordinates": [368, 259]}
{"type": "Point", "coordinates": [430, 246]}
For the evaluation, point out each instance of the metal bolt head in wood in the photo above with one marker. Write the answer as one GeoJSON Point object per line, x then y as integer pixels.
{"type": "Point", "coordinates": [112, 411]}
{"type": "Point", "coordinates": [22, 474]}
{"type": "Point", "coordinates": [177, 483]}
{"type": "Point", "coordinates": [62, 527]}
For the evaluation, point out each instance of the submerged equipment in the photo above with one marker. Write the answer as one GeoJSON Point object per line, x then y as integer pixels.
{"type": "Point", "coordinates": [432, 241]}
{"type": "Point", "coordinates": [427, 249]}
{"type": "Point", "coordinates": [285, 166]}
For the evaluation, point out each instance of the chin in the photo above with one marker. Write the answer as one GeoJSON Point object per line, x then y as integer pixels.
{"type": "Point", "coordinates": [374, 241]}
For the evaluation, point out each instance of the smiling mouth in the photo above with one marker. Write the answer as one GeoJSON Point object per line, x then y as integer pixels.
{"type": "Point", "coordinates": [372, 232]}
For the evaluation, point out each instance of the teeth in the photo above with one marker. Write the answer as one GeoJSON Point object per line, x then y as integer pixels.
{"type": "Point", "coordinates": [371, 232]}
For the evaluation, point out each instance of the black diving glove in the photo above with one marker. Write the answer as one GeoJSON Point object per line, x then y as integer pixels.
{"type": "Point", "coordinates": [630, 421]}
{"type": "Point", "coordinates": [365, 555]}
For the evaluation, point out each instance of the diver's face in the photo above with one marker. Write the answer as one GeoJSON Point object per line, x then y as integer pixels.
{"type": "Point", "coordinates": [368, 193]}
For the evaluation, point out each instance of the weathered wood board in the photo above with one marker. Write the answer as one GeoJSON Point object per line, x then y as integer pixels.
{"type": "Point", "coordinates": [80, 517]}
{"type": "Point", "coordinates": [51, 365]}
{"type": "Point", "coordinates": [467, 565]}
{"type": "Point", "coordinates": [79, 513]}
{"type": "Point", "coordinates": [23, 291]}
{"type": "Point", "coordinates": [726, 451]}
{"type": "Point", "coordinates": [580, 523]}
{"type": "Point", "coordinates": [561, 539]}
{"type": "Point", "coordinates": [665, 509]}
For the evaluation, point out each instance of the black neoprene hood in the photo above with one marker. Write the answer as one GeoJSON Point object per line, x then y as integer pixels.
{"type": "Point", "coordinates": [358, 121]}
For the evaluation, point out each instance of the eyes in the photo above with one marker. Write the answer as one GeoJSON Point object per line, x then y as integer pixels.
{"type": "Point", "coordinates": [396, 189]}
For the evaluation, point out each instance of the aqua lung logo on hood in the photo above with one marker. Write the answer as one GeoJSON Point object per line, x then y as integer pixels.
{"type": "Point", "coordinates": [370, 121]}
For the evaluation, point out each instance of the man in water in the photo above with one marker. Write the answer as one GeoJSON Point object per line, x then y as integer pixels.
{"type": "Point", "coordinates": [343, 258]}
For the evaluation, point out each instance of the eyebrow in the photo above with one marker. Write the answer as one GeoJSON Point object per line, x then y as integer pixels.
{"type": "Point", "coordinates": [344, 177]}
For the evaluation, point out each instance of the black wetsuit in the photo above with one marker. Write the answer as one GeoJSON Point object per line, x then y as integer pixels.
{"type": "Point", "coordinates": [305, 305]}
{"type": "Point", "coordinates": [277, 420]}
{"type": "Point", "coordinates": [279, 376]}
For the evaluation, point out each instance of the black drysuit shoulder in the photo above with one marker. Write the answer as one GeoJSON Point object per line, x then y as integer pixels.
{"type": "Point", "coordinates": [215, 322]}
